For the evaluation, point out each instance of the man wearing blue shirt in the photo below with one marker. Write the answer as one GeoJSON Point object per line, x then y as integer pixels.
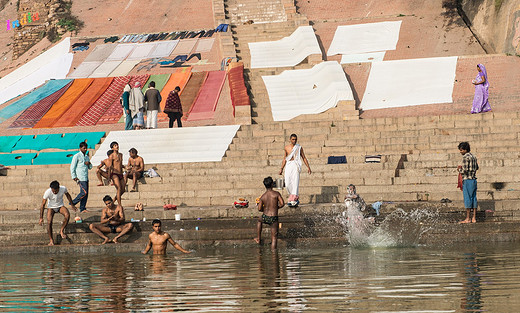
{"type": "Point", "coordinates": [79, 171]}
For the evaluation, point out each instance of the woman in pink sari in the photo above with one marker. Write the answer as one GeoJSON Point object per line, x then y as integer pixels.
{"type": "Point", "coordinates": [480, 102]}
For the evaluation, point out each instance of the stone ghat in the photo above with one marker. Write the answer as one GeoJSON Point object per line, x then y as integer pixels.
{"type": "Point", "coordinates": [305, 226]}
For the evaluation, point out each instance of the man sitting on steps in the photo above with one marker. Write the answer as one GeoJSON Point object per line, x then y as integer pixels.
{"type": "Point", "coordinates": [134, 168]}
{"type": "Point", "coordinates": [112, 221]}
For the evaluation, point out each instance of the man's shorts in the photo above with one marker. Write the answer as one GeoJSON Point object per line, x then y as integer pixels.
{"type": "Point", "coordinates": [269, 220]}
{"type": "Point", "coordinates": [469, 191]}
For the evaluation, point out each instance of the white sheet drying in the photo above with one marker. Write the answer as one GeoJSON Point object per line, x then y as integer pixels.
{"type": "Point", "coordinates": [410, 82]}
{"type": "Point", "coordinates": [288, 51]}
{"type": "Point", "coordinates": [309, 91]}
{"type": "Point", "coordinates": [362, 38]}
{"type": "Point", "coordinates": [171, 145]}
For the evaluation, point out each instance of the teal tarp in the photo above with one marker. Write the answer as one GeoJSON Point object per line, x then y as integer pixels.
{"type": "Point", "coordinates": [30, 142]}
{"type": "Point", "coordinates": [92, 138]}
{"type": "Point", "coordinates": [7, 143]}
{"type": "Point", "coordinates": [46, 158]}
{"type": "Point", "coordinates": [13, 159]}
{"type": "Point", "coordinates": [34, 96]}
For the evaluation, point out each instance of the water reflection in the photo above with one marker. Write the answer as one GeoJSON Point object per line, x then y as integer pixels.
{"type": "Point", "coordinates": [472, 285]}
{"type": "Point", "coordinates": [261, 280]}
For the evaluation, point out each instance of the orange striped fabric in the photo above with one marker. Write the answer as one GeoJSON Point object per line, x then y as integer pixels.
{"type": "Point", "coordinates": [64, 103]}
{"type": "Point", "coordinates": [84, 102]}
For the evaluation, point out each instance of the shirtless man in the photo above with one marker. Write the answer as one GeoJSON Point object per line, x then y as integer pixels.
{"type": "Point", "coordinates": [269, 204]}
{"type": "Point", "coordinates": [100, 172]}
{"type": "Point", "coordinates": [134, 168]}
{"type": "Point", "coordinates": [54, 196]}
{"type": "Point", "coordinates": [112, 221]}
{"type": "Point", "coordinates": [293, 159]}
{"type": "Point", "coordinates": [158, 240]}
{"type": "Point", "coordinates": [115, 171]}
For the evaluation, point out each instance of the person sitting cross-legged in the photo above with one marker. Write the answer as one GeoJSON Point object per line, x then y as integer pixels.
{"type": "Point", "coordinates": [112, 221]}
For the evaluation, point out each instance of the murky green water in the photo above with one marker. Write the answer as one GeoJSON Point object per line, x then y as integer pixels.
{"type": "Point", "coordinates": [421, 279]}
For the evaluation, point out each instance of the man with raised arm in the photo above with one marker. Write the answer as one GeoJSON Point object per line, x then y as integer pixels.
{"type": "Point", "coordinates": [269, 204]}
{"type": "Point", "coordinates": [158, 240]}
{"type": "Point", "coordinates": [112, 221]}
{"type": "Point", "coordinates": [293, 165]}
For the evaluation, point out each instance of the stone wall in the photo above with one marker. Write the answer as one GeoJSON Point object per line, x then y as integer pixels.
{"type": "Point", "coordinates": [37, 19]}
{"type": "Point", "coordinates": [496, 23]}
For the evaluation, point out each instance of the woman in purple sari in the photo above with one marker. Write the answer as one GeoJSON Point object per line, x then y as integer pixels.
{"type": "Point", "coordinates": [480, 102]}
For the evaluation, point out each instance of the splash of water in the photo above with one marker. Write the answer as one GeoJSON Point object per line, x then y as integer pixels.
{"type": "Point", "coordinates": [399, 228]}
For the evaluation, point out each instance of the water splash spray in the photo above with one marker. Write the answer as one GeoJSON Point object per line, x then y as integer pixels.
{"type": "Point", "coordinates": [399, 228]}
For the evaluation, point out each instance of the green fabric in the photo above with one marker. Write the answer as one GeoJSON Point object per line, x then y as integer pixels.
{"type": "Point", "coordinates": [11, 159]}
{"type": "Point", "coordinates": [46, 158]}
{"type": "Point", "coordinates": [159, 79]}
{"type": "Point", "coordinates": [7, 143]}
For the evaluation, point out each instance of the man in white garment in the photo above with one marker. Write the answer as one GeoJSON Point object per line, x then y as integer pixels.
{"type": "Point", "coordinates": [293, 165]}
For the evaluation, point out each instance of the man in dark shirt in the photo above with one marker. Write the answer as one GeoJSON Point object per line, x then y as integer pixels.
{"type": "Point", "coordinates": [173, 107]}
{"type": "Point", "coordinates": [152, 99]}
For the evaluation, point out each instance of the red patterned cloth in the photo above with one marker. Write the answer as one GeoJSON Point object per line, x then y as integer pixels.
{"type": "Point", "coordinates": [115, 110]}
{"type": "Point", "coordinates": [35, 112]}
{"type": "Point", "coordinates": [173, 103]}
{"type": "Point", "coordinates": [96, 111]}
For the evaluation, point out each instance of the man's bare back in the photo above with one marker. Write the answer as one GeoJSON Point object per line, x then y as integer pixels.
{"type": "Point", "coordinates": [270, 202]}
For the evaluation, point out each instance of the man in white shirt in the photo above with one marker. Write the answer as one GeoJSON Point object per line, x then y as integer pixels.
{"type": "Point", "coordinates": [53, 197]}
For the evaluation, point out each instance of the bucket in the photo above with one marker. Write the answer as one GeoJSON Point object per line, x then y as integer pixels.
{"type": "Point", "coordinates": [280, 183]}
{"type": "Point", "coordinates": [177, 217]}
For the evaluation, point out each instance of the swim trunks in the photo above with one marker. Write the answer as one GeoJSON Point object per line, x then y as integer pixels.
{"type": "Point", "coordinates": [56, 210]}
{"type": "Point", "coordinates": [116, 174]}
{"type": "Point", "coordinates": [269, 220]}
{"type": "Point", "coordinates": [113, 228]}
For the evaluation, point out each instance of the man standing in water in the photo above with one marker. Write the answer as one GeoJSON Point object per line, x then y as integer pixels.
{"type": "Point", "coordinates": [269, 204]}
{"type": "Point", "coordinates": [158, 240]}
{"type": "Point", "coordinates": [293, 162]}
{"type": "Point", "coordinates": [468, 170]}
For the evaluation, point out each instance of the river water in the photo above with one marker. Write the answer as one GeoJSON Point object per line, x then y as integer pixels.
{"type": "Point", "coordinates": [467, 278]}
